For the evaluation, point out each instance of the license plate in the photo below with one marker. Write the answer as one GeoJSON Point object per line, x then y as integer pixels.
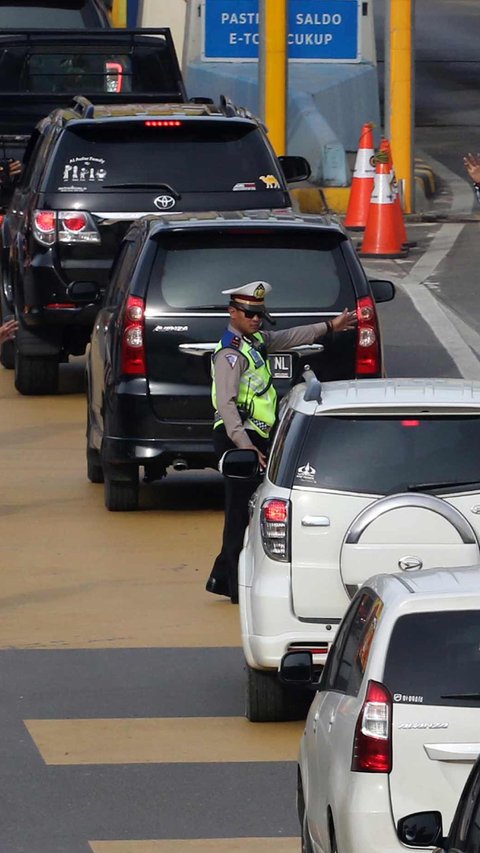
{"type": "Point", "coordinates": [281, 365]}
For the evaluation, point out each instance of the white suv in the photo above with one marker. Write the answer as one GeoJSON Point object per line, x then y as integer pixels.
{"type": "Point", "coordinates": [394, 727]}
{"type": "Point", "coordinates": [363, 477]}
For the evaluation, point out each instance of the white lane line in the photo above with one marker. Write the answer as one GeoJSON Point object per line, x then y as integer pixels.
{"type": "Point", "coordinates": [431, 311]}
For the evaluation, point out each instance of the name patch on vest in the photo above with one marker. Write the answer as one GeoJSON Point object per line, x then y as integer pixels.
{"type": "Point", "coordinates": [256, 357]}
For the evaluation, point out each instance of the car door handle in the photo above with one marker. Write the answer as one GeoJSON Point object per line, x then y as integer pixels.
{"type": "Point", "coordinates": [331, 720]}
{"type": "Point", "coordinates": [315, 521]}
{"type": "Point", "coordinates": [315, 722]}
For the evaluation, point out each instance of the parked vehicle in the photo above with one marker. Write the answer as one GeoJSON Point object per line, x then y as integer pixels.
{"type": "Point", "coordinates": [89, 172]}
{"type": "Point", "coordinates": [381, 475]}
{"type": "Point", "coordinates": [148, 366]}
{"type": "Point", "coordinates": [423, 829]}
{"type": "Point", "coordinates": [393, 727]}
{"type": "Point", "coordinates": [38, 14]}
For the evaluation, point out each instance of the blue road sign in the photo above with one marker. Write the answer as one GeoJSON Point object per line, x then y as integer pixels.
{"type": "Point", "coordinates": [319, 30]}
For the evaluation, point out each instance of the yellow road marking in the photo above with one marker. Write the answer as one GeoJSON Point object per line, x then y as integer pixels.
{"type": "Point", "coordinates": [200, 845]}
{"type": "Point", "coordinates": [164, 740]}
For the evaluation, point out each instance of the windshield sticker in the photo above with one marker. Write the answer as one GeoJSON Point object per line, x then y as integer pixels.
{"type": "Point", "coordinates": [405, 697]}
{"type": "Point", "coordinates": [248, 185]}
{"type": "Point", "coordinates": [306, 472]}
{"type": "Point", "coordinates": [73, 189]}
{"type": "Point", "coordinates": [270, 182]}
{"type": "Point", "coordinates": [83, 169]}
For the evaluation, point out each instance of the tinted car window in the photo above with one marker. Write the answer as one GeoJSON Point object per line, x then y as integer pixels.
{"type": "Point", "coordinates": [218, 157]}
{"type": "Point", "coordinates": [30, 15]}
{"type": "Point", "coordinates": [354, 657]}
{"type": "Point", "coordinates": [446, 646]}
{"type": "Point", "coordinates": [307, 272]}
{"type": "Point", "coordinates": [380, 455]}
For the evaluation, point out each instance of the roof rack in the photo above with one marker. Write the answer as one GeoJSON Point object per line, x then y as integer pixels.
{"type": "Point", "coordinates": [83, 106]}
{"type": "Point", "coordinates": [313, 391]}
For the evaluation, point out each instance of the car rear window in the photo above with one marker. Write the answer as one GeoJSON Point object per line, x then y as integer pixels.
{"type": "Point", "coordinates": [375, 455]}
{"type": "Point", "coordinates": [446, 647]}
{"type": "Point", "coordinates": [88, 69]}
{"type": "Point", "coordinates": [48, 13]}
{"type": "Point", "coordinates": [307, 270]}
{"type": "Point", "coordinates": [191, 157]}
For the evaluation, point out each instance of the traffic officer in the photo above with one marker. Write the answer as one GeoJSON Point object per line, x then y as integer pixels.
{"type": "Point", "coordinates": [245, 404]}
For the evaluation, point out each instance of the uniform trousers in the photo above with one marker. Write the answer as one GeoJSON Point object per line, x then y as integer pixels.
{"type": "Point", "coordinates": [237, 496]}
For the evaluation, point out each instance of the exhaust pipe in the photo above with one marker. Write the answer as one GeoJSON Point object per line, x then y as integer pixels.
{"type": "Point", "coordinates": [179, 464]}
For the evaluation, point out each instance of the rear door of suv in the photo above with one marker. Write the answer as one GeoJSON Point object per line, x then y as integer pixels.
{"type": "Point", "coordinates": [114, 171]}
{"type": "Point", "coordinates": [432, 670]}
{"type": "Point", "coordinates": [368, 478]}
{"type": "Point", "coordinates": [185, 308]}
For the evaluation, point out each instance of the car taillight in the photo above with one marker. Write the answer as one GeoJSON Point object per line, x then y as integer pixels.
{"type": "Point", "coordinates": [113, 76]}
{"type": "Point", "coordinates": [372, 747]}
{"type": "Point", "coordinates": [44, 226]}
{"type": "Point", "coordinates": [168, 122]}
{"type": "Point", "coordinates": [275, 528]}
{"type": "Point", "coordinates": [133, 349]}
{"type": "Point", "coordinates": [367, 357]}
{"type": "Point", "coordinates": [77, 226]}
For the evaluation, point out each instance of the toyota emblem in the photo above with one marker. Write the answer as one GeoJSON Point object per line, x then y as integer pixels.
{"type": "Point", "coordinates": [164, 202]}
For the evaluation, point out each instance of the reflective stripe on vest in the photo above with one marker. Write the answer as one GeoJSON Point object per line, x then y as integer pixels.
{"type": "Point", "coordinates": [256, 398]}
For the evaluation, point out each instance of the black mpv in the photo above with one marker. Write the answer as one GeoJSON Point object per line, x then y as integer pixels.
{"type": "Point", "coordinates": [148, 366]}
{"type": "Point", "coordinates": [89, 172]}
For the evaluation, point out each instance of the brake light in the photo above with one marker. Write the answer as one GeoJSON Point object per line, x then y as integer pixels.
{"type": "Point", "coordinates": [75, 222]}
{"type": "Point", "coordinates": [133, 348]}
{"type": "Point", "coordinates": [275, 528]}
{"type": "Point", "coordinates": [410, 423]}
{"type": "Point", "coordinates": [163, 123]}
{"type": "Point", "coordinates": [45, 226]}
{"type": "Point", "coordinates": [372, 746]}
{"type": "Point", "coordinates": [368, 345]}
{"type": "Point", "coordinates": [77, 226]}
{"type": "Point", "coordinates": [114, 76]}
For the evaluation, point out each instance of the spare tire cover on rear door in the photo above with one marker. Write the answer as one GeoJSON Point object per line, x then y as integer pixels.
{"type": "Point", "coordinates": [406, 532]}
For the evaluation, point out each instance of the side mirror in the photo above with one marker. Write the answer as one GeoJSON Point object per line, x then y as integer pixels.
{"type": "Point", "coordinates": [83, 292]}
{"type": "Point", "coordinates": [239, 464]}
{"type": "Point", "coordinates": [297, 668]}
{"type": "Point", "coordinates": [421, 829]}
{"type": "Point", "coordinates": [295, 169]}
{"type": "Point", "coordinates": [383, 291]}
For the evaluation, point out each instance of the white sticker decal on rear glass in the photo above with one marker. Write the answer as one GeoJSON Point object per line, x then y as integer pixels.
{"type": "Point", "coordinates": [270, 182]}
{"type": "Point", "coordinates": [306, 472]}
{"type": "Point", "coordinates": [247, 185]}
{"type": "Point", "coordinates": [91, 169]}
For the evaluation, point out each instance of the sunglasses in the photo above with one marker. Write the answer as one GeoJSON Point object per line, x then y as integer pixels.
{"type": "Point", "coordinates": [251, 314]}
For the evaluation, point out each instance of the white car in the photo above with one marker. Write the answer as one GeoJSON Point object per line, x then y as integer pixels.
{"type": "Point", "coordinates": [394, 729]}
{"type": "Point", "coordinates": [367, 476]}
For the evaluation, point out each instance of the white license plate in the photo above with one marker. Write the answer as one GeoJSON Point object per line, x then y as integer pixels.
{"type": "Point", "coordinates": [281, 365]}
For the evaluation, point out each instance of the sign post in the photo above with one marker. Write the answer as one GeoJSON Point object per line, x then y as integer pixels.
{"type": "Point", "coordinates": [273, 71]}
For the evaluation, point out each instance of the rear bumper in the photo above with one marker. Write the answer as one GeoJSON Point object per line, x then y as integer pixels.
{"type": "Point", "coordinates": [158, 451]}
{"type": "Point", "coordinates": [268, 624]}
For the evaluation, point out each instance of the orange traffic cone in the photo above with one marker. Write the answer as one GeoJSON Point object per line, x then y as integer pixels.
{"type": "Point", "coordinates": [402, 234]}
{"type": "Point", "coordinates": [381, 238]}
{"type": "Point", "coordinates": [362, 181]}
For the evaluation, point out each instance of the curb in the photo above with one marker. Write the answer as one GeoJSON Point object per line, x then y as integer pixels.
{"type": "Point", "coordinates": [322, 200]}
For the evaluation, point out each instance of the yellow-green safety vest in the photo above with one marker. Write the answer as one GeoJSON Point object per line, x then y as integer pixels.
{"type": "Point", "coordinates": [256, 398]}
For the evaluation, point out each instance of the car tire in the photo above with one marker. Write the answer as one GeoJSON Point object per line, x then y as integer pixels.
{"type": "Point", "coordinates": [270, 701]}
{"type": "Point", "coordinates": [333, 840]}
{"type": "Point", "coordinates": [35, 375]}
{"type": "Point", "coordinates": [122, 495]}
{"type": "Point", "coordinates": [94, 466]}
{"type": "Point", "coordinates": [7, 350]}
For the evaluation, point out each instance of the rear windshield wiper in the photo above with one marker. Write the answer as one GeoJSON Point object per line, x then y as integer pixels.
{"type": "Point", "coordinates": [460, 696]}
{"type": "Point", "coordinates": [147, 185]}
{"type": "Point", "coordinates": [207, 307]}
{"type": "Point", "coordinates": [424, 487]}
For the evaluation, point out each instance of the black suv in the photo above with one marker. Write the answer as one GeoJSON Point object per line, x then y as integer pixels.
{"type": "Point", "coordinates": [70, 14]}
{"type": "Point", "coordinates": [148, 366]}
{"type": "Point", "coordinates": [91, 170]}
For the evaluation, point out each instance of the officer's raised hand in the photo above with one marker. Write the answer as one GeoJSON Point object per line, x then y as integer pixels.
{"type": "Point", "coordinates": [345, 321]}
